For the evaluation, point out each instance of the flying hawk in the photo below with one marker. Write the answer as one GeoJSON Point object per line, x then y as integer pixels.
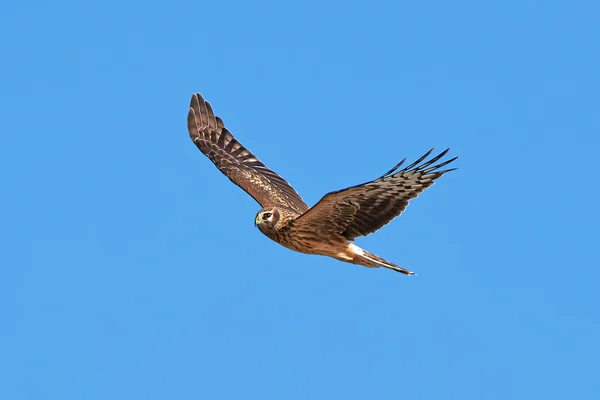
{"type": "Point", "coordinates": [330, 226]}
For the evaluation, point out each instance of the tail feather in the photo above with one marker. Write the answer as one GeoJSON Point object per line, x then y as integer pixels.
{"type": "Point", "coordinates": [363, 257]}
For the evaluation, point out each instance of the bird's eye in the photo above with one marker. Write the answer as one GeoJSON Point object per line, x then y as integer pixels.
{"type": "Point", "coordinates": [266, 216]}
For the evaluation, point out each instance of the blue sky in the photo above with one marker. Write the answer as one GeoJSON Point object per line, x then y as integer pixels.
{"type": "Point", "coordinates": [131, 267]}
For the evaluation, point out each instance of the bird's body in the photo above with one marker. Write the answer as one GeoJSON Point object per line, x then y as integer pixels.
{"type": "Point", "coordinates": [304, 239]}
{"type": "Point", "coordinates": [329, 227]}
{"type": "Point", "coordinates": [310, 240]}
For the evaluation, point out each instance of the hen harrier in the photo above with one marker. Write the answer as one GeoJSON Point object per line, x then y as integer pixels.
{"type": "Point", "coordinates": [329, 227]}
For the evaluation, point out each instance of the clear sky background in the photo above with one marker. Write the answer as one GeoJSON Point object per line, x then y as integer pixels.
{"type": "Point", "coordinates": [131, 269]}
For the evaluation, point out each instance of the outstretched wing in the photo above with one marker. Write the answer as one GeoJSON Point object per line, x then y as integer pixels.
{"type": "Point", "coordinates": [245, 170]}
{"type": "Point", "coordinates": [361, 210]}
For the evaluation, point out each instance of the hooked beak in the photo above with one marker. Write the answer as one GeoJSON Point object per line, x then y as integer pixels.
{"type": "Point", "coordinates": [256, 221]}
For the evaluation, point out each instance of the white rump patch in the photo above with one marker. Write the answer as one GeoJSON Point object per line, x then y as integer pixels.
{"type": "Point", "coordinates": [356, 249]}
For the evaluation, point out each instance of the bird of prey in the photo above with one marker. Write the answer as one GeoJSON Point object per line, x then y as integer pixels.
{"type": "Point", "coordinates": [331, 225]}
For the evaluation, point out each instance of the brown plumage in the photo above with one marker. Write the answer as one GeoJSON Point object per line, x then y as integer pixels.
{"type": "Point", "coordinates": [329, 227]}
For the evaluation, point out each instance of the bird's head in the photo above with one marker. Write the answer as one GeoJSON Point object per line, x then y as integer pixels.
{"type": "Point", "coordinates": [267, 218]}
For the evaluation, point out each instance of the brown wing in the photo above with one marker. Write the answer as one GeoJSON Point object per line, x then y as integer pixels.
{"type": "Point", "coordinates": [245, 170]}
{"type": "Point", "coordinates": [363, 209]}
